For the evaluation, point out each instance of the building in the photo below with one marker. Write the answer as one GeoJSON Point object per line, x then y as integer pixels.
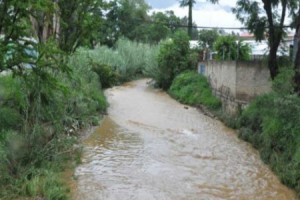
{"type": "Point", "coordinates": [261, 49]}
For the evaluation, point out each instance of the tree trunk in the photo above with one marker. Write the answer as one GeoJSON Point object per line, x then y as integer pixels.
{"type": "Point", "coordinates": [190, 20]}
{"type": "Point", "coordinates": [297, 55]}
{"type": "Point", "coordinates": [272, 61]}
{"type": "Point", "coordinates": [275, 36]}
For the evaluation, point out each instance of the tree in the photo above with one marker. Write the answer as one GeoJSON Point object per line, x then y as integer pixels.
{"type": "Point", "coordinates": [207, 38]}
{"type": "Point", "coordinates": [44, 19]}
{"type": "Point", "coordinates": [190, 4]}
{"type": "Point", "coordinates": [228, 48]}
{"type": "Point", "coordinates": [266, 21]}
{"type": "Point", "coordinates": [174, 57]}
{"type": "Point", "coordinates": [161, 26]}
{"type": "Point", "coordinates": [79, 22]}
{"type": "Point", "coordinates": [125, 18]}
{"type": "Point", "coordinates": [15, 27]}
{"type": "Point", "coordinates": [296, 52]}
{"type": "Point", "coordinates": [194, 32]}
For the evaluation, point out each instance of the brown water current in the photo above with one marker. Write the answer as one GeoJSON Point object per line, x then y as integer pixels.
{"type": "Point", "coordinates": [152, 147]}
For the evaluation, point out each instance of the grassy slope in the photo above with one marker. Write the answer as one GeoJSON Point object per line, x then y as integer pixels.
{"type": "Point", "coordinates": [193, 89]}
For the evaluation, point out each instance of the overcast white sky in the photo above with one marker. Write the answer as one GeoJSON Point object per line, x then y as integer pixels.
{"type": "Point", "coordinates": [204, 13]}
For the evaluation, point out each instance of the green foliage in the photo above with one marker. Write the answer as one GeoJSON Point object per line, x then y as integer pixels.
{"type": "Point", "coordinates": [255, 22]}
{"type": "Point", "coordinates": [230, 120]}
{"type": "Point", "coordinates": [174, 57]}
{"type": "Point", "coordinates": [108, 77]}
{"type": "Point", "coordinates": [256, 17]}
{"type": "Point", "coordinates": [40, 177]}
{"type": "Point", "coordinates": [86, 98]}
{"type": "Point", "coordinates": [10, 96]}
{"type": "Point", "coordinates": [10, 118]}
{"type": "Point", "coordinates": [17, 26]}
{"type": "Point", "coordinates": [80, 29]}
{"type": "Point", "coordinates": [128, 60]}
{"type": "Point", "coordinates": [271, 124]}
{"type": "Point", "coordinates": [165, 24]}
{"type": "Point", "coordinates": [193, 89]}
{"type": "Point", "coordinates": [47, 185]}
{"type": "Point", "coordinates": [228, 48]}
{"type": "Point", "coordinates": [263, 17]}
{"type": "Point", "coordinates": [59, 95]}
{"type": "Point", "coordinates": [50, 94]}
{"type": "Point", "coordinates": [207, 38]}
{"type": "Point", "coordinates": [124, 19]}
{"type": "Point", "coordinates": [284, 84]}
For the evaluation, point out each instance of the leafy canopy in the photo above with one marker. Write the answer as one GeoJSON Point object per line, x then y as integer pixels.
{"type": "Point", "coordinates": [207, 38]}
{"type": "Point", "coordinates": [229, 48]}
{"type": "Point", "coordinates": [265, 19]}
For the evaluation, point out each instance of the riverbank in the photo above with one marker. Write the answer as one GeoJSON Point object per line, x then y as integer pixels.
{"type": "Point", "coordinates": [39, 124]}
{"type": "Point", "coordinates": [152, 147]}
{"type": "Point", "coordinates": [270, 123]}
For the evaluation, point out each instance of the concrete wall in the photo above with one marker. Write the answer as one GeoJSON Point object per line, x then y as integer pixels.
{"type": "Point", "coordinates": [236, 83]}
{"type": "Point", "coordinates": [253, 79]}
{"type": "Point", "coordinates": [222, 77]}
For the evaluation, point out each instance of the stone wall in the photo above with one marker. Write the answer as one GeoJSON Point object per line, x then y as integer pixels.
{"type": "Point", "coordinates": [236, 83]}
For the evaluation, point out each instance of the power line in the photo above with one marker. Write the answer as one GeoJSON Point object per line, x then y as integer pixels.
{"type": "Point", "coordinates": [203, 27]}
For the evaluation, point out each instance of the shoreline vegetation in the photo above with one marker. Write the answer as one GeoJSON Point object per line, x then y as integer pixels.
{"type": "Point", "coordinates": [42, 112]}
{"type": "Point", "coordinates": [57, 57]}
{"type": "Point", "coordinates": [43, 117]}
{"type": "Point", "coordinates": [270, 123]}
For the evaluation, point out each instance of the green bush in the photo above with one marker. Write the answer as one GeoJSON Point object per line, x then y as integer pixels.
{"type": "Point", "coordinates": [271, 124]}
{"type": "Point", "coordinates": [174, 57]}
{"type": "Point", "coordinates": [11, 102]}
{"type": "Point", "coordinates": [228, 48]}
{"type": "Point", "coordinates": [42, 106]}
{"type": "Point", "coordinates": [193, 89]}
{"type": "Point", "coordinates": [107, 76]}
{"type": "Point", "coordinates": [10, 118]}
{"type": "Point", "coordinates": [86, 98]}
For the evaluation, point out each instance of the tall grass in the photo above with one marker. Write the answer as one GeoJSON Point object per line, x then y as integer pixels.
{"type": "Point", "coordinates": [271, 124]}
{"type": "Point", "coordinates": [128, 58]}
{"type": "Point", "coordinates": [40, 114]}
{"type": "Point", "coordinates": [41, 110]}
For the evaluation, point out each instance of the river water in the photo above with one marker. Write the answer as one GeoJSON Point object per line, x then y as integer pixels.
{"type": "Point", "coordinates": [151, 147]}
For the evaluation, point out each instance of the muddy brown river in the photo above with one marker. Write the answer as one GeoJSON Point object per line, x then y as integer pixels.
{"type": "Point", "coordinates": [152, 147]}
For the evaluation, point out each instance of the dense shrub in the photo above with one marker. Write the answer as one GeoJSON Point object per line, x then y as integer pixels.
{"type": "Point", "coordinates": [86, 97]}
{"type": "Point", "coordinates": [271, 124]}
{"type": "Point", "coordinates": [193, 89]}
{"type": "Point", "coordinates": [107, 76]}
{"type": "Point", "coordinates": [42, 108]}
{"type": "Point", "coordinates": [10, 118]}
{"type": "Point", "coordinates": [40, 113]}
{"type": "Point", "coordinates": [174, 57]}
{"type": "Point", "coordinates": [228, 48]}
{"type": "Point", "coordinates": [11, 101]}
